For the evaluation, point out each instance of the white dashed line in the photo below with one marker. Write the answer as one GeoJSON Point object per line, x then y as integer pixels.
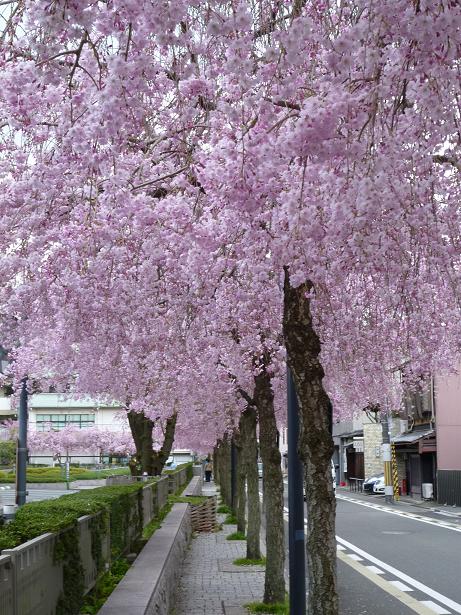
{"type": "Point", "coordinates": [356, 557]}
{"type": "Point", "coordinates": [401, 586]}
{"type": "Point", "coordinates": [371, 568]}
{"type": "Point", "coordinates": [435, 607]}
{"type": "Point", "coordinates": [448, 602]}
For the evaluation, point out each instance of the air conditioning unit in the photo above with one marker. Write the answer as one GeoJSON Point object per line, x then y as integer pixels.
{"type": "Point", "coordinates": [427, 491]}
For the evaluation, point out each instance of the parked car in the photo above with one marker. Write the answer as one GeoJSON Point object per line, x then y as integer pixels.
{"type": "Point", "coordinates": [379, 485]}
{"type": "Point", "coordinates": [170, 464]}
{"type": "Point", "coordinates": [369, 483]}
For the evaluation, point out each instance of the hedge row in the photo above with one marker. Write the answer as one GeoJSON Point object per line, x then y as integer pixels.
{"type": "Point", "coordinates": [57, 475]}
{"type": "Point", "coordinates": [37, 518]}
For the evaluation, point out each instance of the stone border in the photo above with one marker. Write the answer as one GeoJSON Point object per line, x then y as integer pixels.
{"type": "Point", "coordinates": [149, 586]}
{"type": "Point", "coordinates": [194, 487]}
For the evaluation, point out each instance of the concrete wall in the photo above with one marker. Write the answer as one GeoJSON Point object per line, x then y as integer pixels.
{"type": "Point", "coordinates": [31, 580]}
{"type": "Point", "coordinates": [448, 421]}
{"type": "Point", "coordinates": [149, 586]}
{"type": "Point", "coordinates": [372, 441]}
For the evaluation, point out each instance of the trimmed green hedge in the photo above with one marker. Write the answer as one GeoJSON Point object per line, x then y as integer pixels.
{"type": "Point", "coordinates": [57, 474]}
{"type": "Point", "coordinates": [120, 507]}
{"type": "Point", "coordinates": [37, 518]}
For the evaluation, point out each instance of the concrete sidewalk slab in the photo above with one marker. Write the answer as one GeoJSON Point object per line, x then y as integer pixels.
{"type": "Point", "coordinates": [209, 584]}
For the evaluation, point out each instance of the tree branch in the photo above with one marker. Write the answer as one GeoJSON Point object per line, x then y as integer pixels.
{"type": "Point", "coordinates": [284, 103]}
{"type": "Point", "coordinates": [159, 179]}
{"type": "Point", "coordinates": [447, 160]}
{"type": "Point", "coordinates": [245, 396]}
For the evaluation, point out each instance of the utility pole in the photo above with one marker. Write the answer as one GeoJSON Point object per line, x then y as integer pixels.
{"type": "Point", "coordinates": [388, 488]}
{"type": "Point", "coordinates": [297, 553]}
{"type": "Point", "coordinates": [21, 452]}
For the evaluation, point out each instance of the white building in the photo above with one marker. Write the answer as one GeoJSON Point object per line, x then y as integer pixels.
{"type": "Point", "coordinates": [59, 411]}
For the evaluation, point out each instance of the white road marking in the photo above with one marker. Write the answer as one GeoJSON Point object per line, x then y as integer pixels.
{"type": "Point", "coordinates": [371, 568]}
{"type": "Point", "coordinates": [401, 586]}
{"type": "Point", "coordinates": [435, 607]}
{"type": "Point", "coordinates": [428, 604]}
{"type": "Point", "coordinates": [356, 557]}
{"type": "Point", "coordinates": [406, 598]}
{"type": "Point", "coordinates": [448, 602]}
{"type": "Point", "coordinates": [446, 514]}
{"type": "Point", "coordinates": [434, 522]}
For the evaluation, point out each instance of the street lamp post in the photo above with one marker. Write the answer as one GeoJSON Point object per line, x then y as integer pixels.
{"type": "Point", "coordinates": [297, 557]}
{"type": "Point", "coordinates": [21, 454]}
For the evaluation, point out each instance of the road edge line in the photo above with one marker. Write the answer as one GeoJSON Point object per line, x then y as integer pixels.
{"type": "Point", "coordinates": [405, 598]}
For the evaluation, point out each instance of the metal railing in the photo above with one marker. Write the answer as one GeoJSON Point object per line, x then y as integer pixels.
{"type": "Point", "coordinates": [356, 484]}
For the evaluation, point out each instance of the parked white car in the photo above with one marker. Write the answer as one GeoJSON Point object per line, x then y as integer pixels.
{"type": "Point", "coordinates": [379, 485]}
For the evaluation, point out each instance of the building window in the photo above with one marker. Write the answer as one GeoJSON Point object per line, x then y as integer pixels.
{"type": "Point", "coordinates": [55, 422]}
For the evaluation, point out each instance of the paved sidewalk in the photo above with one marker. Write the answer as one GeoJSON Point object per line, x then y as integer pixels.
{"type": "Point", "coordinates": [210, 584]}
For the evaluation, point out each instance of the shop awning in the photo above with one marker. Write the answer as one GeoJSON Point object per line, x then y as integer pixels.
{"type": "Point", "coordinates": [413, 436]}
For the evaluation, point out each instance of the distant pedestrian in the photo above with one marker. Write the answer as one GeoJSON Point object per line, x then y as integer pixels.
{"type": "Point", "coordinates": [208, 469]}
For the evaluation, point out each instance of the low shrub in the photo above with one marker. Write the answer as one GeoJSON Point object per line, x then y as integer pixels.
{"type": "Point", "coordinates": [236, 536]}
{"type": "Point", "coordinates": [104, 587]}
{"type": "Point", "coordinates": [244, 561]}
{"type": "Point", "coordinates": [37, 518]}
{"type": "Point", "coordinates": [57, 474]}
{"type": "Point", "coordinates": [278, 608]}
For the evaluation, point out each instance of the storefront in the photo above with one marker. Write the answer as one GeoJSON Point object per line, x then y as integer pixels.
{"type": "Point", "coordinates": [416, 455]}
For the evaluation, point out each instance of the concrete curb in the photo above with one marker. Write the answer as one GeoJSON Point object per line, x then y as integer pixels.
{"type": "Point", "coordinates": [194, 487]}
{"type": "Point", "coordinates": [149, 586]}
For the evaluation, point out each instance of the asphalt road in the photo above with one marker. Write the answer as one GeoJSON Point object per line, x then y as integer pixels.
{"type": "Point", "coordinates": [395, 559]}
{"type": "Point", "coordinates": [8, 496]}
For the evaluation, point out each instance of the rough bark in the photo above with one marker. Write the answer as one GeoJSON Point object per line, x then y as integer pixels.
{"type": "Point", "coordinates": [141, 430]}
{"type": "Point", "coordinates": [150, 461]}
{"type": "Point", "coordinates": [241, 482]}
{"type": "Point", "coordinates": [274, 581]}
{"type": "Point", "coordinates": [250, 458]}
{"type": "Point", "coordinates": [315, 448]}
{"type": "Point", "coordinates": [225, 471]}
{"type": "Point", "coordinates": [160, 457]}
{"type": "Point", "coordinates": [216, 462]}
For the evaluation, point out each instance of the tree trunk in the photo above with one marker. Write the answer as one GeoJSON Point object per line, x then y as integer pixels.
{"type": "Point", "coordinates": [274, 582]}
{"type": "Point", "coordinates": [241, 480]}
{"type": "Point", "coordinates": [141, 430]}
{"type": "Point", "coordinates": [225, 471]}
{"type": "Point", "coordinates": [151, 461]}
{"type": "Point", "coordinates": [250, 459]}
{"type": "Point", "coordinates": [315, 447]}
{"type": "Point", "coordinates": [159, 458]}
{"type": "Point", "coordinates": [216, 462]}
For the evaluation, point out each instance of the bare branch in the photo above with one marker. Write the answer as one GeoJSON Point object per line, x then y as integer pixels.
{"type": "Point", "coordinates": [284, 103]}
{"type": "Point", "coordinates": [159, 179]}
{"type": "Point", "coordinates": [441, 159]}
{"type": "Point", "coordinates": [245, 396]}
{"type": "Point", "coordinates": [130, 32]}
{"type": "Point", "coordinates": [58, 55]}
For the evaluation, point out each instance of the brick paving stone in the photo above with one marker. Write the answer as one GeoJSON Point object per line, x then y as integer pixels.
{"type": "Point", "coordinates": [206, 587]}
